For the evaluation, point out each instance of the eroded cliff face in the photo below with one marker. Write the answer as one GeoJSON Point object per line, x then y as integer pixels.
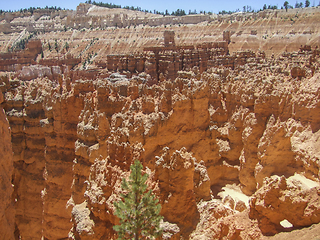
{"type": "Point", "coordinates": [227, 151]}
{"type": "Point", "coordinates": [93, 32]}
{"type": "Point", "coordinates": [7, 211]}
{"type": "Point", "coordinates": [230, 139]}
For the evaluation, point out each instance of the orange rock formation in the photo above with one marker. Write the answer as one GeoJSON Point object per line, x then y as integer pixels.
{"type": "Point", "coordinates": [7, 210]}
{"type": "Point", "coordinates": [230, 139]}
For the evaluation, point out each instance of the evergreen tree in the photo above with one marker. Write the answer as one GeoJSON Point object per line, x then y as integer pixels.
{"type": "Point", "coordinates": [56, 47]}
{"type": "Point", "coordinates": [307, 3]}
{"type": "Point", "coordinates": [66, 46]}
{"type": "Point", "coordinates": [138, 210]}
{"type": "Point", "coordinates": [286, 5]}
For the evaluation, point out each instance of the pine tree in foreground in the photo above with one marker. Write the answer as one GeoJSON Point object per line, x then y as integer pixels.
{"type": "Point", "coordinates": [139, 209]}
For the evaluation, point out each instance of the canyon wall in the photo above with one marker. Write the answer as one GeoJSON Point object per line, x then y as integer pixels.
{"type": "Point", "coordinates": [203, 137]}
{"type": "Point", "coordinates": [223, 116]}
{"type": "Point", "coordinates": [14, 61]}
{"type": "Point", "coordinates": [7, 211]}
{"type": "Point", "coordinates": [88, 32]}
{"type": "Point", "coordinates": [89, 16]}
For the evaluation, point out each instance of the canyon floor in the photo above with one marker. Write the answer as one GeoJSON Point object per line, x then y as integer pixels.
{"type": "Point", "coordinates": [223, 111]}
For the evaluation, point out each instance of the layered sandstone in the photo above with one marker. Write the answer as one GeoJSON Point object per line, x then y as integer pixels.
{"type": "Point", "coordinates": [89, 16]}
{"type": "Point", "coordinates": [12, 61]}
{"type": "Point", "coordinates": [271, 31]}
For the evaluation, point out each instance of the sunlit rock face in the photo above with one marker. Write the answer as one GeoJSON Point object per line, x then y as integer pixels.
{"type": "Point", "coordinates": [229, 139]}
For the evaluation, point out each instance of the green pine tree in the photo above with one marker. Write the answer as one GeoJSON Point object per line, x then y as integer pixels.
{"type": "Point", "coordinates": [139, 209]}
{"type": "Point", "coordinates": [286, 5]}
{"type": "Point", "coordinates": [307, 3]}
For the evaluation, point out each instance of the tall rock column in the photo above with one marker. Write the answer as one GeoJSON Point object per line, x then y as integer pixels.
{"type": "Point", "coordinates": [24, 110]}
{"type": "Point", "coordinates": [60, 126]}
{"type": "Point", "coordinates": [6, 169]}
